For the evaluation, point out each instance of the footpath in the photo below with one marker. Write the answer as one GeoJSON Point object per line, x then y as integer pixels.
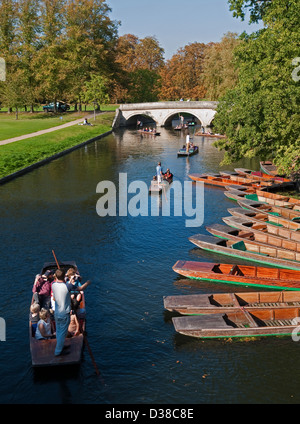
{"type": "Point", "coordinates": [49, 130]}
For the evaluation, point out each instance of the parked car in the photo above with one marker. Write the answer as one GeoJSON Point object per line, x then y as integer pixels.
{"type": "Point", "coordinates": [60, 107]}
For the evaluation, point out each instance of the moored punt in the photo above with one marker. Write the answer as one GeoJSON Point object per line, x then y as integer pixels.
{"type": "Point", "coordinates": [268, 167]}
{"type": "Point", "coordinates": [42, 351]}
{"type": "Point", "coordinates": [260, 217]}
{"type": "Point", "coordinates": [290, 252]}
{"type": "Point", "coordinates": [259, 174]}
{"type": "Point", "coordinates": [260, 196]}
{"type": "Point", "coordinates": [266, 255]}
{"type": "Point", "coordinates": [271, 234]}
{"type": "Point", "coordinates": [284, 212]}
{"type": "Point", "coordinates": [245, 275]}
{"type": "Point", "coordinates": [274, 196]}
{"type": "Point", "coordinates": [222, 181]}
{"type": "Point", "coordinates": [242, 323]}
{"type": "Point", "coordinates": [192, 151]}
{"type": "Point", "coordinates": [199, 304]}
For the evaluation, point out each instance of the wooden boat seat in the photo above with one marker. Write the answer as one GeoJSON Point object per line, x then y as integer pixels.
{"type": "Point", "coordinates": [216, 269]}
{"type": "Point", "coordinates": [235, 270]}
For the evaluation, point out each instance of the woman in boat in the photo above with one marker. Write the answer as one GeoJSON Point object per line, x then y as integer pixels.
{"type": "Point", "coordinates": [168, 176]}
{"type": "Point", "coordinates": [43, 329]}
{"type": "Point", "coordinates": [42, 289]}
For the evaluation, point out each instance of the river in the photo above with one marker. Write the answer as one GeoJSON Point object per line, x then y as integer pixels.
{"type": "Point", "coordinates": [129, 261]}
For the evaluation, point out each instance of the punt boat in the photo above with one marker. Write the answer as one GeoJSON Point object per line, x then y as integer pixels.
{"type": "Point", "coordinates": [198, 304]}
{"type": "Point", "coordinates": [241, 323]}
{"type": "Point", "coordinates": [223, 181]}
{"type": "Point", "coordinates": [263, 254]}
{"type": "Point", "coordinates": [42, 351]}
{"type": "Point", "coordinates": [243, 275]}
{"type": "Point", "coordinates": [263, 217]}
{"type": "Point", "coordinates": [267, 233]}
{"type": "Point", "coordinates": [291, 251]}
{"type": "Point", "coordinates": [192, 151]}
{"type": "Point", "coordinates": [284, 212]}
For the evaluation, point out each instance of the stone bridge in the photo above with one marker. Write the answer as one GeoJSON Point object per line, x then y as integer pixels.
{"type": "Point", "coordinates": [162, 113]}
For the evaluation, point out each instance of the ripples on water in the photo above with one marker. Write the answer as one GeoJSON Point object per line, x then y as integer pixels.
{"type": "Point", "coordinates": [129, 260]}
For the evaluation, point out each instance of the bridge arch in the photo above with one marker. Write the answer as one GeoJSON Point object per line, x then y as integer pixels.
{"type": "Point", "coordinates": [162, 112]}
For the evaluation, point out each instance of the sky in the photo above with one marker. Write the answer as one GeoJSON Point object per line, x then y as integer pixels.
{"type": "Point", "coordinates": [176, 23]}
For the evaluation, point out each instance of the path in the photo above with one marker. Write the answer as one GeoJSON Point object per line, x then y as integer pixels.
{"type": "Point", "coordinates": [49, 130]}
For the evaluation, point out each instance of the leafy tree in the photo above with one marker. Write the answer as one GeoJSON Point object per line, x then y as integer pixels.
{"type": "Point", "coordinates": [260, 116]}
{"type": "Point", "coordinates": [182, 75]}
{"type": "Point", "coordinates": [96, 90]}
{"type": "Point", "coordinates": [219, 69]}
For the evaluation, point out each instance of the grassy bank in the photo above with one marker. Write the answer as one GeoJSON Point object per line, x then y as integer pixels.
{"type": "Point", "coordinates": [20, 154]}
{"type": "Point", "coordinates": [32, 122]}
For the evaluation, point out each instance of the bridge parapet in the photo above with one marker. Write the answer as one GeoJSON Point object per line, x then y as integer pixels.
{"type": "Point", "coordinates": [163, 112]}
{"type": "Point", "coordinates": [170, 105]}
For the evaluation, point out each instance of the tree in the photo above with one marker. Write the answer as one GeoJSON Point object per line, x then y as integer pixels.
{"type": "Point", "coordinates": [96, 90]}
{"type": "Point", "coordinates": [89, 42]}
{"type": "Point", "coordinates": [260, 116]}
{"type": "Point", "coordinates": [219, 69]}
{"type": "Point", "coordinates": [182, 75]}
{"type": "Point", "coordinates": [139, 61]}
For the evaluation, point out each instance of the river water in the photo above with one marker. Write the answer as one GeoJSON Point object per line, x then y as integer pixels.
{"type": "Point", "coordinates": [129, 261]}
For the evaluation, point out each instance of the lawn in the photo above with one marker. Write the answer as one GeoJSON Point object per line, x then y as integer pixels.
{"type": "Point", "coordinates": [32, 122]}
{"type": "Point", "coordinates": [20, 154]}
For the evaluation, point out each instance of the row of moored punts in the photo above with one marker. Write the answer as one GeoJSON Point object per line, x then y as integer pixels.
{"type": "Point", "coordinates": [264, 229]}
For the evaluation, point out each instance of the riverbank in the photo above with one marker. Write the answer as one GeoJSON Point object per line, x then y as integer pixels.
{"type": "Point", "coordinates": [21, 156]}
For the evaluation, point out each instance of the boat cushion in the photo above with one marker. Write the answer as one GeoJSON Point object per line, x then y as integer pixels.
{"type": "Point", "coordinates": [240, 245]}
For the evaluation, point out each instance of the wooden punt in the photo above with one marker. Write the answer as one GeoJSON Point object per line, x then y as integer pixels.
{"type": "Point", "coordinates": [259, 174]}
{"type": "Point", "coordinates": [258, 242]}
{"type": "Point", "coordinates": [222, 181]}
{"type": "Point", "coordinates": [210, 135]}
{"type": "Point", "coordinates": [42, 351]}
{"type": "Point", "coordinates": [154, 133]}
{"type": "Point", "coordinates": [266, 255]}
{"type": "Point", "coordinates": [268, 167]}
{"type": "Point", "coordinates": [259, 196]}
{"type": "Point", "coordinates": [192, 151]}
{"type": "Point", "coordinates": [264, 217]}
{"type": "Point", "coordinates": [284, 212]}
{"type": "Point", "coordinates": [158, 188]}
{"type": "Point", "coordinates": [274, 235]}
{"type": "Point", "coordinates": [242, 323]}
{"type": "Point", "coordinates": [199, 304]}
{"type": "Point", "coordinates": [243, 275]}
{"type": "Point", "coordinates": [274, 196]}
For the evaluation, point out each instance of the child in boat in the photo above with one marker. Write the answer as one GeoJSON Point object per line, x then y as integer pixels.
{"type": "Point", "coordinates": [74, 278]}
{"type": "Point", "coordinates": [34, 316]}
{"type": "Point", "coordinates": [73, 329]}
{"type": "Point", "coordinates": [43, 329]}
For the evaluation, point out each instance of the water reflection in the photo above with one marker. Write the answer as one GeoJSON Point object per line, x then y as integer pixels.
{"type": "Point", "coordinates": [129, 261]}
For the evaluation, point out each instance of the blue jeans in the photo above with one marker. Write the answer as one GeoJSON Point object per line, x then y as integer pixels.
{"type": "Point", "coordinates": [62, 325]}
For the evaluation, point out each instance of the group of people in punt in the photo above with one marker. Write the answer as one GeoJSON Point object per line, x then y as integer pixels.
{"type": "Point", "coordinates": [56, 299]}
{"type": "Point", "coordinates": [168, 176]}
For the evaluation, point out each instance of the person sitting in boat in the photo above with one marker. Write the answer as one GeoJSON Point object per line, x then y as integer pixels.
{"type": "Point", "coordinates": [43, 329]}
{"type": "Point", "coordinates": [168, 176]}
{"type": "Point", "coordinates": [74, 278]}
{"type": "Point", "coordinates": [42, 289]}
{"type": "Point", "coordinates": [74, 328]}
{"type": "Point", "coordinates": [34, 316]}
